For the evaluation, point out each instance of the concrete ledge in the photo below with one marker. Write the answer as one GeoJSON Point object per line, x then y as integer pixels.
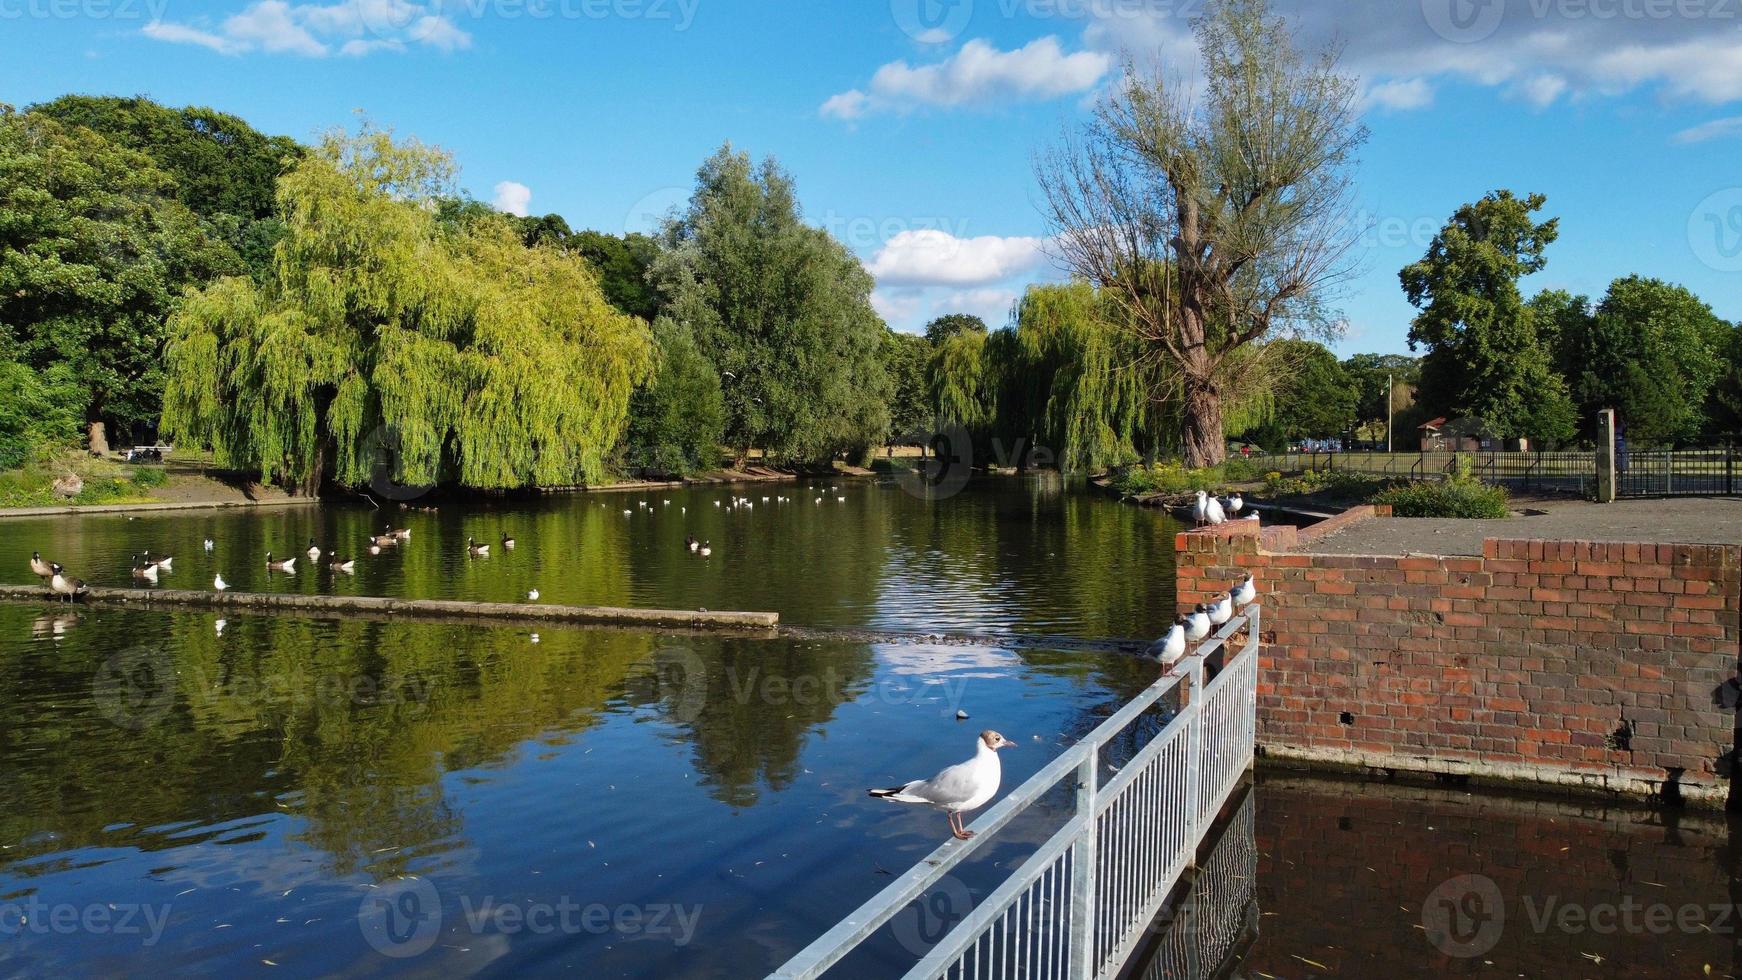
{"type": "Point", "coordinates": [436, 609]}
{"type": "Point", "coordinates": [140, 508]}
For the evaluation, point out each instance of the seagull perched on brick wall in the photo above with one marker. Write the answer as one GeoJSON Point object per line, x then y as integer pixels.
{"type": "Point", "coordinates": [962, 787]}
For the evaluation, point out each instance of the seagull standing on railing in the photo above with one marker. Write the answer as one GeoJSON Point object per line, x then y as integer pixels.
{"type": "Point", "coordinates": [1197, 623]}
{"type": "Point", "coordinates": [1245, 593]}
{"type": "Point", "coordinates": [1222, 610]}
{"type": "Point", "coordinates": [962, 787]}
{"type": "Point", "coordinates": [1171, 647]}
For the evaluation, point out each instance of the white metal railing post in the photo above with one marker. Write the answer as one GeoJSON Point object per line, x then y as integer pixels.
{"type": "Point", "coordinates": [1194, 689]}
{"type": "Point", "coordinates": [1081, 965]}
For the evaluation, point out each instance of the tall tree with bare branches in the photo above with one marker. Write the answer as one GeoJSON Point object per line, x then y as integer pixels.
{"type": "Point", "coordinates": [1216, 212]}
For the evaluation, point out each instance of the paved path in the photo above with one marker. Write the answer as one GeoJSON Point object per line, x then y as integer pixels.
{"type": "Point", "coordinates": [1707, 520]}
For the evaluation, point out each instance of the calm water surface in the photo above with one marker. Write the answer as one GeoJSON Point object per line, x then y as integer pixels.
{"type": "Point", "coordinates": [306, 797]}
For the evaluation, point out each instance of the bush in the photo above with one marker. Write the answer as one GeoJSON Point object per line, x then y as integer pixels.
{"type": "Point", "coordinates": [1332, 483]}
{"type": "Point", "coordinates": [1461, 498]}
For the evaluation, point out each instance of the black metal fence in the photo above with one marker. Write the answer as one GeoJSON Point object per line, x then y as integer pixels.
{"type": "Point", "coordinates": [1639, 473]}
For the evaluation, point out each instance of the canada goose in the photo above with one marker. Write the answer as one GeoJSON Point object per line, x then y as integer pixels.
{"type": "Point", "coordinates": [144, 572]}
{"type": "Point", "coordinates": [380, 541]}
{"type": "Point", "coordinates": [281, 565]}
{"type": "Point", "coordinates": [39, 567]}
{"type": "Point", "coordinates": [401, 534]}
{"type": "Point", "coordinates": [63, 584]}
{"type": "Point", "coordinates": [707, 548]}
{"type": "Point", "coordinates": [476, 550]}
{"type": "Point", "coordinates": [314, 553]}
{"type": "Point", "coordinates": [507, 543]}
{"type": "Point", "coordinates": [690, 543]}
{"type": "Point", "coordinates": [218, 583]}
{"type": "Point", "coordinates": [161, 563]}
{"type": "Point", "coordinates": [338, 564]}
{"type": "Point", "coordinates": [210, 544]}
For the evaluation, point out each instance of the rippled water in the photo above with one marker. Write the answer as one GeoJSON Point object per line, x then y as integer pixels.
{"type": "Point", "coordinates": [331, 796]}
{"type": "Point", "coordinates": [1007, 555]}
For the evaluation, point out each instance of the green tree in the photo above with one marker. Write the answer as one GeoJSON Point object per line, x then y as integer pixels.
{"type": "Point", "coordinates": [94, 250]}
{"type": "Point", "coordinates": [1214, 214]}
{"type": "Point", "coordinates": [905, 359]}
{"type": "Point", "coordinates": [1385, 387]}
{"type": "Point", "coordinates": [38, 409]}
{"type": "Point", "coordinates": [623, 264]}
{"type": "Point", "coordinates": [1484, 358]}
{"type": "Point", "coordinates": [1096, 396]}
{"type": "Point", "coordinates": [950, 324]}
{"type": "Point", "coordinates": [223, 169]}
{"type": "Point", "coordinates": [1724, 402]}
{"type": "Point", "coordinates": [1650, 350]}
{"type": "Point", "coordinates": [1316, 398]}
{"type": "Point", "coordinates": [389, 344]}
{"type": "Point", "coordinates": [677, 422]}
{"type": "Point", "coordinates": [781, 308]}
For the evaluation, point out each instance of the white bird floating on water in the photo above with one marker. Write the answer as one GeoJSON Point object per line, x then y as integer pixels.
{"type": "Point", "coordinates": [210, 544]}
{"type": "Point", "coordinates": [960, 788]}
{"type": "Point", "coordinates": [1197, 623]}
{"type": "Point", "coordinates": [219, 626]}
{"type": "Point", "coordinates": [532, 596]}
{"type": "Point", "coordinates": [707, 548]}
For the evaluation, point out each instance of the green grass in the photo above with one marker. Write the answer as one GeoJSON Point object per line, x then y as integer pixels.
{"type": "Point", "coordinates": [32, 485]}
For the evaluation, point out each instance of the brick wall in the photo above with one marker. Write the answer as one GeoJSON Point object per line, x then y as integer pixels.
{"type": "Point", "coordinates": [1603, 665]}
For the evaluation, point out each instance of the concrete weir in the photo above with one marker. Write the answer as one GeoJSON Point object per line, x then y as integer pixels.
{"type": "Point", "coordinates": [445, 610]}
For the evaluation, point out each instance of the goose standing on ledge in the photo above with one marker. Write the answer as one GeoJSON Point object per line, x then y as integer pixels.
{"type": "Point", "coordinates": [39, 567]}
{"type": "Point", "coordinates": [62, 584]}
{"type": "Point", "coordinates": [960, 788]}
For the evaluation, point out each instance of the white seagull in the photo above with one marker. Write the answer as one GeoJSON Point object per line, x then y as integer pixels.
{"type": "Point", "coordinates": [1207, 510]}
{"type": "Point", "coordinates": [532, 596]}
{"type": "Point", "coordinates": [962, 787]}
{"type": "Point", "coordinates": [1197, 623]}
{"type": "Point", "coordinates": [1171, 647]}
{"type": "Point", "coordinates": [1236, 504]}
{"type": "Point", "coordinates": [219, 583]}
{"type": "Point", "coordinates": [1222, 611]}
{"type": "Point", "coordinates": [1245, 592]}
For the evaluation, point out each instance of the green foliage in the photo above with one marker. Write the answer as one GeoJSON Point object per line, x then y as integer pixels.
{"type": "Point", "coordinates": [94, 249]}
{"type": "Point", "coordinates": [950, 324]}
{"type": "Point", "coordinates": [38, 411]}
{"type": "Point", "coordinates": [32, 484]}
{"type": "Point", "coordinates": [905, 360]}
{"type": "Point", "coordinates": [623, 264]}
{"type": "Point", "coordinates": [387, 338]}
{"type": "Point", "coordinates": [1484, 358]}
{"type": "Point", "coordinates": [782, 309]}
{"type": "Point", "coordinates": [1724, 403]}
{"type": "Point", "coordinates": [1650, 350]}
{"type": "Point", "coordinates": [1460, 496]}
{"type": "Point", "coordinates": [1094, 398]}
{"type": "Point", "coordinates": [1176, 478]}
{"type": "Point", "coordinates": [222, 169]}
{"type": "Point", "coordinates": [1377, 376]}
{"type": "Point", "coordinates": [677, 421]}
{"type": "Point", "coordinates": [1315, 399]}
{"type": "Point", "coordinates": [1329, 484]}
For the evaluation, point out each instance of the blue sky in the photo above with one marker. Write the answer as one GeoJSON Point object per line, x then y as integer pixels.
{"type": "Point", "coordinates": [911, 125]}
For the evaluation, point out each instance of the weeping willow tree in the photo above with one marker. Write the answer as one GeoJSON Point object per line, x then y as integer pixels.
{"type": "Point", "coordinates": [1094, 386]}
{"type": "Point", "coordinates": [388, 344]}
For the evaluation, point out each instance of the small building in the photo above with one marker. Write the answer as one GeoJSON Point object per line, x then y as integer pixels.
{"type": "Point", "coordinates": [1465, 435]}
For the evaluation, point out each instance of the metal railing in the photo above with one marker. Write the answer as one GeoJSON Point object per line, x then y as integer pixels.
{"type": "Point", "coordinates": [1084, 900]}
{"type": "Point", "coordinates": [1677, 473]}
{"type": "Point", "coordinates": [1220, 916]}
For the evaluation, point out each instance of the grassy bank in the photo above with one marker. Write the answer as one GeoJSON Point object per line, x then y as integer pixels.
{"type": "Point", "coordinates": [105, 482]}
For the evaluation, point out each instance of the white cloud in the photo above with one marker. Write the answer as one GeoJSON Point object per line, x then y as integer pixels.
{"type": "Point", "coordinates": [1400, 95]}
{"type": "Point", "coordinates": [513, 197]}
{"type": "Point", "coordinates": [352, 27]}
{"type": "Point", "coordinates": [1541, 90]}
{"type": "Point", "coordinates": [977, 74]}
{"type": "Point", "coordinates": [932, 257]}
{"type": "Point", "coordinates": [182, 34]}
{"type": "Point", "coordinates": [1716, 129]}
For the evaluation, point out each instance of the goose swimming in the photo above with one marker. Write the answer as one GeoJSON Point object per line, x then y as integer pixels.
{"type": "Point", "coordinates": [281, 565]}
{"type": "Point", "coordinates": [477, 550]}
{"type": "Point", "coordinates": [143, 572]}
{"type": "Point", "coordinates": [960, 788]}
{"type": "Point", "coordinates": [314, 553]}
{"type": "Point", "coordinates": [707, 548]}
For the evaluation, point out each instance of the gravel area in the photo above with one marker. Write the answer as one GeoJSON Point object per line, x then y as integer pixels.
{"type": "Point", "coordinates": [1701, 520]}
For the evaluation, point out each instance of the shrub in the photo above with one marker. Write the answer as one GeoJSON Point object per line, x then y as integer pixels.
{"type": "Point", "coordinates": [1467, 499]}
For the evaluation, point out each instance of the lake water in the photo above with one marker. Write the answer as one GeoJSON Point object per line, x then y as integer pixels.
{"type": "Point", "coordinates": [311, 797]}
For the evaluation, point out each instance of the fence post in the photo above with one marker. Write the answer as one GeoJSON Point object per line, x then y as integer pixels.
{"type": "Point", "coordinates": [1729, 470]}
{"type": "Point", "coordinates": [1606, 456]}
{"type": "Point", "coordinates": [1082, 961]}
